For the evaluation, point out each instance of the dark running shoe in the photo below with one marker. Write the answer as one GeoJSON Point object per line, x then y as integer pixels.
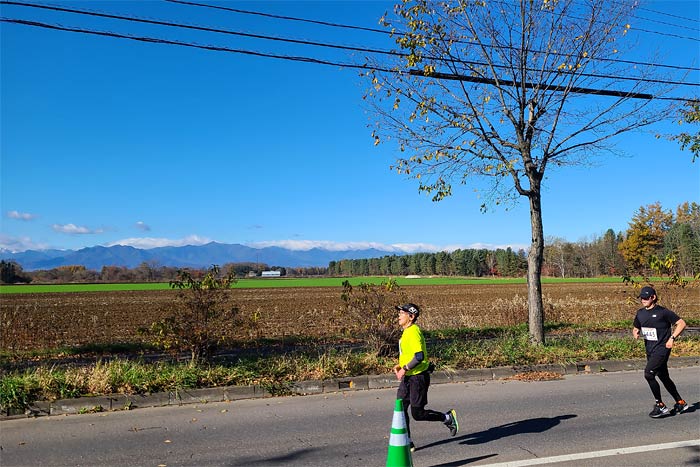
{"type": "Point", "coordinates": [680, 406]}
{"type": "Point", "coordinates": [452, 423]}
{"type": "Point", "coordinates": [659, 411]}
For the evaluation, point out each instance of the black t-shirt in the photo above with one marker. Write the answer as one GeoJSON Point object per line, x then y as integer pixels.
{"type": "Point", "coordinates": [655, 326]}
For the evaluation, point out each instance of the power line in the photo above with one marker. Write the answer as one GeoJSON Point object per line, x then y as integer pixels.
{"type": "Point", "coordinates": [639, 29]}
{"type": "Point", "coordinates": [288, 18]}
{"type": "Point", "coordinates": [649, 31]}
{"type": "Point", "coordinates": [382, 31]}
{"type": "Point", "coordinates": [556, 88]}
{"type": "Point", "coordinates": [184, 26]}
{"type": "Point", "coordinates": [671, 15]}
{"type": "Point", "coordinates": [154, 40]}
{"type": "Point", "coordinates": [664, 23]}
{"type": "Point", "coordinates": [325, 23]}
{"type": "Point", "coordinates": [414, 72]}
{"type": "Point", "coordinates": [306, 42]}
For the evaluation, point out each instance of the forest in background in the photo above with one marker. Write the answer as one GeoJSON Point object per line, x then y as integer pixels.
{"type": "Point", "coordinates": [653, 232]}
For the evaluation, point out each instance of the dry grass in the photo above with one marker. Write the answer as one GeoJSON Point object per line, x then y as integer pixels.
{"type": "Point", "coordinates": [536, 376]}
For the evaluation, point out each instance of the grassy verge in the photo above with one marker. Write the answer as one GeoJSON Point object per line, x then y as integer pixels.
{"type": "Point", "coordinates": [276, 371]}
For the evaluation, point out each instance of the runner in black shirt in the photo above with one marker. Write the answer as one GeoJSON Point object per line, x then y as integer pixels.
{"type": "Point", "coordinates": [655, 324]}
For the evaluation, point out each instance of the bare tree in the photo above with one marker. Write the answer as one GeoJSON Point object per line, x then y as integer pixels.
{"type": "Point", "coordinates": [493, 93]}
{"type": "Point", "coordinates": [554, 255]}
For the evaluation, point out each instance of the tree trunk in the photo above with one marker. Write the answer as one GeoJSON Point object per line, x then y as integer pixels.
{"type": "Point", "coordinates": [534, 270]}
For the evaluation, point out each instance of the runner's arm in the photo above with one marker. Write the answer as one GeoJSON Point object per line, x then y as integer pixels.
{"type": "Point", "coordinates": [679, 328]}
{"type": "Point", "coordinates": [415, 361]}
{"type": "Point", "coordinates": [636, 327]}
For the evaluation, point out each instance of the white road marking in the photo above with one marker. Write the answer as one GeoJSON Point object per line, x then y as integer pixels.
{"type": "Point", "coordinates": [594, 454]}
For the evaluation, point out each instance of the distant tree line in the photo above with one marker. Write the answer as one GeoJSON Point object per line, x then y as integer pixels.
{"type": "Point", "coordinates": [12, 273]}
{"type": "Point", "coordinates": [457, 263]}
{"type": "Point", "coordinates": [652, 233]}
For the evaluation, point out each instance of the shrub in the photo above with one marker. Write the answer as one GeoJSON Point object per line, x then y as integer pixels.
{"type": "Point", "coordinates": [371, 308]}
{"type": "Point", "coordinates": [203, 316]}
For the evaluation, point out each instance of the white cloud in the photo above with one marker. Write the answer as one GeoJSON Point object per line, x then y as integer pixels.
{"type": "Point", "coordinates": [417, 247]}
{"type": "Point", "coordinates": [22, 216]}
{"type": "Point", "coordinates": [72, 229]}
{"type": "Point", "coordinates": [19, 244]}
{"type": "Point", "coordinates": [143, 226]}
{"type": "Point", "coordinates": [305, 245]}
{"type": "Point", "coordinates": [146, 243]}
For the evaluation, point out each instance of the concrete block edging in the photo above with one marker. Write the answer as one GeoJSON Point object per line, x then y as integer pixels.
{"type": "Point", "coordinates": [116, 402]}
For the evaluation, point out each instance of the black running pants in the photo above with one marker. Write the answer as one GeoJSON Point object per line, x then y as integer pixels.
{"type": "Point", "coordinates": [657, 367]}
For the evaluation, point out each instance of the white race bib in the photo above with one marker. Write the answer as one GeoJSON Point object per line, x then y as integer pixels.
{"type": "Point", "coordinates": [650, 334]}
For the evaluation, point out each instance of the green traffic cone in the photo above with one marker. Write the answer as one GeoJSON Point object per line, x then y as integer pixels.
{"type": "Point", "coordinates": [399, 454]}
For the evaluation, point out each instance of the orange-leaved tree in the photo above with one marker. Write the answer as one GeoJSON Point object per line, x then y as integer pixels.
{"type": "Point", "coordinates": [645, 235]}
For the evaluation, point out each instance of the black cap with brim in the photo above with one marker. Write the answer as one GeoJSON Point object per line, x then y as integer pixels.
{"type": "Point", "coordinates": [409, 308]}
{"type": "Point", "coordinates": [647, 292]}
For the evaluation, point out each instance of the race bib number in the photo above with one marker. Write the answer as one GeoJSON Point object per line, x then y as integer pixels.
{"type": "Point", "coordinates": [650, 334]}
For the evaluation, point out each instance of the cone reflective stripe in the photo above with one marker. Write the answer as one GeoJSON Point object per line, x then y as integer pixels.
{"type": "Point", "coordinates": [399, 435]}
{"type": "Point", "coordinates": [399, 454]}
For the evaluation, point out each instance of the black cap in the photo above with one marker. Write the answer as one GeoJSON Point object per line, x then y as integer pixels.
{"type": "Point", "coordinates": [647, 292]}
{"type": "Point", "coordinates": [410, 308]}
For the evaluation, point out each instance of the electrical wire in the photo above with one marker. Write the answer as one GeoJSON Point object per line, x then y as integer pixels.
{"type": "Point", "coordinates": [636, 28]}
{"type": "Point", "coordinates": [311, 43]}
{"type": "Point", "coordinates": [601, 92]}
{"type": "Point", "coordinates": [382, 31]}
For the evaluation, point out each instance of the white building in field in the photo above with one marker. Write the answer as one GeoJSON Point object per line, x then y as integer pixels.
{"type": "Point", "coordinates": [271, 274]}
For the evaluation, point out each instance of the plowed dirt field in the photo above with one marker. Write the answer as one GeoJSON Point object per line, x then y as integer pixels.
{"type": "Point", "coordinates": [34, 321]}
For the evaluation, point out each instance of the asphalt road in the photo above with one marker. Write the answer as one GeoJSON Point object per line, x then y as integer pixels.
{"type": "Point", "coordinates": [584, 418]}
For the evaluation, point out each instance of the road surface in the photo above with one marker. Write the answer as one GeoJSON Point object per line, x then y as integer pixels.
{"type": "Point", "coordinates": [597, 420]}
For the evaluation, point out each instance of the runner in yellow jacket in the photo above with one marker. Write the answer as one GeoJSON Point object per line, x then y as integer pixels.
{"type": "Point", "coordinates": [414, 374]}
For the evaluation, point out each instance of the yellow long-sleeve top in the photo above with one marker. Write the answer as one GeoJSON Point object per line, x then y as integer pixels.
{"type": "Point", "coordinates": [412, 342]}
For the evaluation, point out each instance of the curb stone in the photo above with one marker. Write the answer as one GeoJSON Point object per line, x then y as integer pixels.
{"type": "Point", "coordinates": [116, 402]}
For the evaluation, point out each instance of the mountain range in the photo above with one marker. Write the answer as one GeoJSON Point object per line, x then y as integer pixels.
{"type": "Point", "coordinates": [194, 256]}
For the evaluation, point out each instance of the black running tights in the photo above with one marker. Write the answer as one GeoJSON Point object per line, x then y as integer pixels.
{"type": "Point", "coordinates": [657, 366]}
{"type": "Point", "coordinates": [421, 414]}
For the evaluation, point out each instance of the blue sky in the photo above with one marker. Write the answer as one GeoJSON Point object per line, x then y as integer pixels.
{"type": "Point", "coordinates": [109, 141]}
